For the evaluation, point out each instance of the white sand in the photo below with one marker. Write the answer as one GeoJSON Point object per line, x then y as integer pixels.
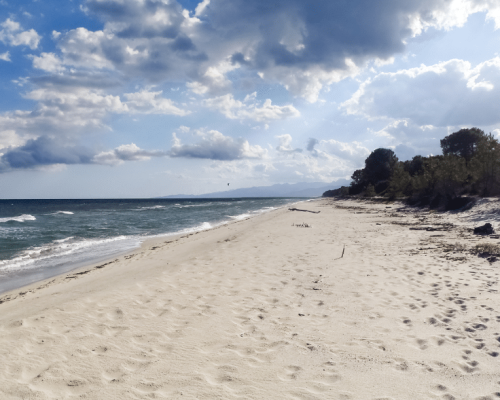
{"type": "Point", "coordinates": [262, 309]}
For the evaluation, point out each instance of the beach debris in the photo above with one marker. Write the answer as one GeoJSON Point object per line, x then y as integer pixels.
{"type": "Point", "coordinates": [342, 256]}
{"type": "Point", "coordinates": [486, 229]}
{"type": "Point", "coordinates": [432, 228]}
{"type": "Point", "coordinates": [298, 209]}
{"type": "Point", "coordinates": [302, 225]}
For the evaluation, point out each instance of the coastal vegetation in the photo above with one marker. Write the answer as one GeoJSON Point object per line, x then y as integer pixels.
{"type": "Point", "coordinates": [469, 166]}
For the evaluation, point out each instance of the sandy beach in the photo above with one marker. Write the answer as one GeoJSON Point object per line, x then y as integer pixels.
{"type": "Point", "coordinates": [267, 308]}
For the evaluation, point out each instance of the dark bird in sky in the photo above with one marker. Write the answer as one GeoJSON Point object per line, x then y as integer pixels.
{"type": "Point", "coordinates": [228, 184]}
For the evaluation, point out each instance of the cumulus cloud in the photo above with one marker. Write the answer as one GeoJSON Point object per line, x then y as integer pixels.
{"type": "Point", "coordinates": [146, 102]}
{"type": "Point", "coordinates": [77, 111]}
{"type": "Point", "coordinates": [353, 151]}
{"type": "Point", "coordinates": [410, 139]}
{"type": "Point", "coordinates": [126, 152]}
{"type": "Point", "coordinates": [285, 144]}
{"type": "Point", "coordinates": [235, 109]}
{"type": "Point", "coordinates": [12, 34]}
{"type": "Point", "coordinates": [298, 46]}
{"type": "Point", "coordinates": [43, 151]}
{"type": "Point", "coordinates": [215, 146]}
{"type": "Point", "coordinates": [450, 93]}
{"type": "Point", "coordinates": [48, 62]}
{"type": "Point", "coordinates": [306, 47]}
{"type": "Point", "coordinates": [46, 151]}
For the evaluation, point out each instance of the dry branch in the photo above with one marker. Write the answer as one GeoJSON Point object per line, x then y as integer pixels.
{"type": "Point", "coordinates": [298, 209]}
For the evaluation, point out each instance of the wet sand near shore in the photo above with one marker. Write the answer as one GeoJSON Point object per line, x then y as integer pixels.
{"type": "Point", "coordinates": [269, 308]}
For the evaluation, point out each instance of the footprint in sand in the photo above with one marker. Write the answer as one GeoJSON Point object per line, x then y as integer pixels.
{"type": "Point", "coordinates": [290, 373]}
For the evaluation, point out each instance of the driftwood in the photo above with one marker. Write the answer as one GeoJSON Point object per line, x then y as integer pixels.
{"type": "Point", "coordinates": [297, 209]}
{"type": "Point", "coordinates": [430, 229]}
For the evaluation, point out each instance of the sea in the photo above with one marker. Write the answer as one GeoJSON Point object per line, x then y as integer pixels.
{"type": "Point", "coordinates": [40, 239]}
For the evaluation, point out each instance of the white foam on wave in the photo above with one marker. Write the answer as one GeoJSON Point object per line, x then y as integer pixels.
{"type": "Point", "coordinates": [68, 250]}
{"type": "Point", "coordinates": [202, 227]}
{"type": "Point", "coordinates": [64, 212]}
{"type": "Point", "coordinates": [193, 205]}
{"type": "Point", "coordinates": [63, 240]}
{"type": "Point", "coordinates": [21, 218]}
{"type": "Point", "coordinates": [150, 208]}
{"type": "Point", "coordinates": [239, 217]}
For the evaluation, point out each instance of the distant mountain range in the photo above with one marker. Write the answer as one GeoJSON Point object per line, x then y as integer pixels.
{"type": "Point", "coordinates": [303, 189]}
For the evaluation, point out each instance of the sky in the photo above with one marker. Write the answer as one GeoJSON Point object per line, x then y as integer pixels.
{"type": "Point", "coordinates": [147, 98]}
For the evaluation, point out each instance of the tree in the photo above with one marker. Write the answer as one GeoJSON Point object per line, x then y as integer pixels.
{"type": "Point", "coordinates": [401, 181]}
{"type": "Point", "coordinates": [358, 182]}
{"type": "Point", "coordinates": [485, 166]}
{"type": "Point", "coordinates": [462, 143]}
{"type": "Point", "coordinates": [370, 191]}
{"type": "Point", "coordinates": [415, 166]}
{"type": "Point", "coordinates": [379, 165]}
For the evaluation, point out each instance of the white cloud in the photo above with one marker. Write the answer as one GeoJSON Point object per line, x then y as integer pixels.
{"type": "Point", "coordinates": [290, 44]}
{"type": "Point", "coordinates": [48, 62]}
{"type": "Point", "coordinates": [146, 102]}
{"type": "Point", "coordinates": [449, 93]}
{"type": "Point", "coordinates": [126, 152]}
{"type": "Point", "coordinates": [215, 146]}
{"type": "Point", "coordinates": [78, 111]}
{"type": "Point", "coordinates": [5, 56]}
{"type": "Point", "coordinates": [353, 151]}
{"type": "Point", "coordinates": [12, 34]}
{"type": "Point", "coordinates": [235, 109]}
{"type": "Point", "coordinates": [285, 144]}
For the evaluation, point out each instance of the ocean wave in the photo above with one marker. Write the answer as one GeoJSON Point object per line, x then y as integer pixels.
{"type": "Point", "coordinates": [64, 212]}
{"type": "Point", "coordinates": [239, 217]}
{"type": "Point", "coordinates": [202, 227]}
{"type": "Point", "coordinates": [150, 208]}
{"type": "Point", "coordinates": [21, 218]}
{"type": "Point", "coordinates": [61, 250]}
{"type": "Point", "coordinates": [193, 205]}
{"type": "Point", "coordinates": [63, 240]}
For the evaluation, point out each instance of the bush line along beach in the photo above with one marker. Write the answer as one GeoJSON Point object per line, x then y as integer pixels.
{"type": "Point", "coordinates": [470, 165]}
{"type": "Point", "coordinates": [374, 300]}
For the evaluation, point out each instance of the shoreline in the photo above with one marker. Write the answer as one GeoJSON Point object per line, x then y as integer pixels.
{"type": "Point", "coordinates": [86, 267]}
{"type": "Point", "coordinates": [268, 307]}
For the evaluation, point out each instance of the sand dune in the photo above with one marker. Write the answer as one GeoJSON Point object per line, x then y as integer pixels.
{"type": "Point", "coordinates": [266, 309]}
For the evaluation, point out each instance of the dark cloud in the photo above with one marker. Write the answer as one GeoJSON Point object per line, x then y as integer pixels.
{"type": "Point", "coordinates": [311, 143]}
{"type": "Point", "coordinates": [300, 45]}
{"type": "Point", "coordinates": [44, 151]}
{"type": "Point", "coordinates": [298, 33]}
{"type": "Point", "coordinates": [215, 146]}
{"type": "Point", "coordinates": [87, 79]}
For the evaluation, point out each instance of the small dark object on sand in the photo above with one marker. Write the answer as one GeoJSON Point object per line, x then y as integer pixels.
{"type": "Point", "coordinates": [298, 209]}
{"type": "Point", "coordinates": [486, 229]}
